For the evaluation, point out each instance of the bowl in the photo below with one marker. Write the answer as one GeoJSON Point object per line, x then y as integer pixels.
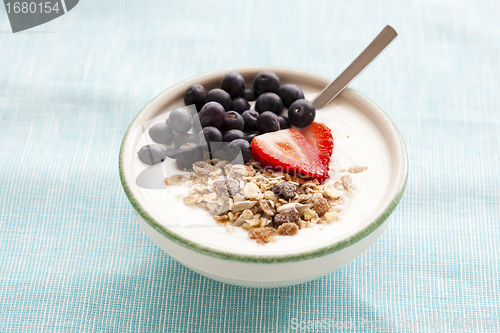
{"type": "Point", "coordinates": [364, 135]}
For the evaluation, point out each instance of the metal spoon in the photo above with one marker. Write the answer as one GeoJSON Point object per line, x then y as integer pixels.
{"type": "Point", "coordinates": [371, 52]}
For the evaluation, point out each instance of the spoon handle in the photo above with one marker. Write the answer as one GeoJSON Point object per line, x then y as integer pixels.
{"type": "Point", "coordinates": [371, 52]}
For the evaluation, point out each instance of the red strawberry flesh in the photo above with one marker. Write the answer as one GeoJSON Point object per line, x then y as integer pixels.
{"type": "Point", "coordinates": [290, 152]}
{"type": "Point", "coordinates": [320, 137]}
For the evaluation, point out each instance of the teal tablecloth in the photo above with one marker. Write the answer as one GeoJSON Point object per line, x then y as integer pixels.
{"type": "Point", "coordinates": [72, 256]}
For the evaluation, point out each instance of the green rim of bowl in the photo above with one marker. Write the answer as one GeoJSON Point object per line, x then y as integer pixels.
{"type": "Point", "coordinates": [256, 258]}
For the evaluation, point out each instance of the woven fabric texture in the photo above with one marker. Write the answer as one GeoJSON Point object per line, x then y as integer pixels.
{"type": "Point", "coordinates": [74, 259]}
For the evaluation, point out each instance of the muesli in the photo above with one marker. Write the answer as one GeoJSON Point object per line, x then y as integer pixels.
{"type": "Point", "coordinates": [264, 202]}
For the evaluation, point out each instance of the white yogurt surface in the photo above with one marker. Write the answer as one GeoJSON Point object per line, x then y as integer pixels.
{"type": "Point", "coordinates": [358, 141]}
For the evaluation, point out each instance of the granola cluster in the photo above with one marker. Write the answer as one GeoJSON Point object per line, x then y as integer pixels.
{"type": "Point", "coordinates": [266, 203]}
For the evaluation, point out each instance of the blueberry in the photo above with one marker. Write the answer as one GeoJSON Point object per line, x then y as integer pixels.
{"type": "Point", "coordinates": [248, 94]}
{"type": "Point", "coordinates": [289, 93]}
{"type": "Point", "coordinates": [266, 82]}
{"type": "Point", "coordinates": [269, 102]}
{"type": "Point", "coordinates": [232, 120]}
{"type": "Point", "coordinates": [161, 133]}
{"type": "Point", "coordinates": [250, 118]}
{"type": "Point", "coordinates": [180, 120]}
{"type": "Point", "coordinates": [268, 122]}
{"type": "Point", "coordinates": [212, 114]}
{"type": "Point", "coordinates": [188, 154]}
{"type": "Point", "coordinates": [220, 96]}
{"type": "Point", "coordinates": [301, 113]}
{"type": "Point", "coordinates": [209, 135]}
{"type": "Point", "coordinates": [181, 139]}
{"type": "Point", "coordinates": [240, 105]}
{"type": "Point", "coordinates": [233, 83]}
{"type": "Point", "coordinates": [237, 146]}
{"type": "Point", "coordinates": [151, 154]}
{"type": "Point", "coordinates": [195, 94]}
{"type": "Point", "coordinates": [233, 135]}
{"type": "Point", "coordinates": [252, 135]}
{"type": "Point", "coordinates": [284, 122]}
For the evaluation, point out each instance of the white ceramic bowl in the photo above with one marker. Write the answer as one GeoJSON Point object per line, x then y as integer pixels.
{"type": "Point", "coordinates": [363, 134]}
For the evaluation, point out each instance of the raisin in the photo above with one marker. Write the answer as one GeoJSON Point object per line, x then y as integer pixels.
{"type": "Point", "coordinates": [225, 186]}
{"type": "Point", "coordinates": [290, 215]}
{"type": "Point", "coordinates": [321, 206]}
{"type": "Point", "coordinates": [285, 189]}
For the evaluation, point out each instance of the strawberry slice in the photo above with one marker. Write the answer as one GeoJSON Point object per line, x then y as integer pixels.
{"type": "Point", "coordinates": [320, 137]}
{"type": "Point", "coordinates": [289, 151]}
